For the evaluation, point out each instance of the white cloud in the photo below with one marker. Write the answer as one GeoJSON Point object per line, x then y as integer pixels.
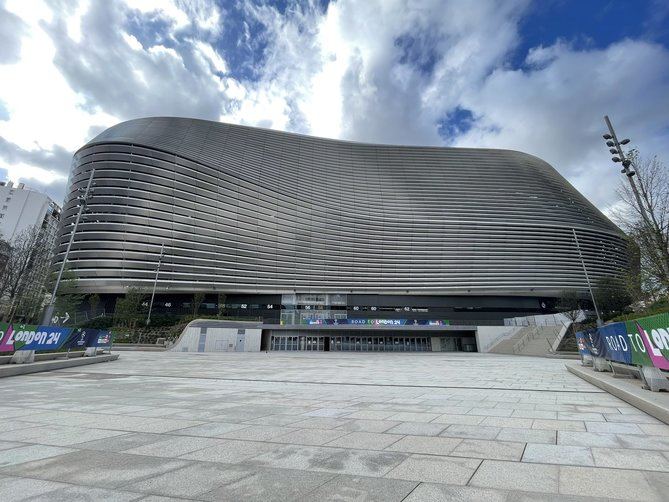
{"type": "Point", "coordinates": [389, 80]}
{"type": "Point", "coordinates": [555, 109]}
{"type": "Point", "coordinates": [132, 41]}
{"type": "Point", "coordinates": [211, 57]}
{"type": "Point", "coordinates": [44, 111]}
{"type": "Point", "coordinates": [165, 9]}
{"type": "Point", "coordinates": [78, 70]}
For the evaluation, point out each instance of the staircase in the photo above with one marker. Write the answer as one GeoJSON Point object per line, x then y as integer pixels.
{"type": "Point", "coordinates": [530, 341]}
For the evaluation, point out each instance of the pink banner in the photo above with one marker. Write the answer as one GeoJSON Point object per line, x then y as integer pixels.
{"type": "Point", "coordinates": [6, 338]}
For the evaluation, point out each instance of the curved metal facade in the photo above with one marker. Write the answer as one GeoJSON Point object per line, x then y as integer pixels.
{"type": "Point", "coordinates": [248, 210]}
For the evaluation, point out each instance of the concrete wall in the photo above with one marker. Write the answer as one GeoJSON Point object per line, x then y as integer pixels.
{"type": "Point", "coordinates": [216, 339]}
{"type": "Point", "coordinates": [489, 336]}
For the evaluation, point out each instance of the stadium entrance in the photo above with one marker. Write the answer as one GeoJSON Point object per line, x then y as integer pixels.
{"type": "Point", "coordinates": [390, 342]}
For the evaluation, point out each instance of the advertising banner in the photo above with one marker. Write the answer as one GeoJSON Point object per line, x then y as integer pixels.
{"type": "Point", "coordinates": [16, 336]}
{"type": "Point", "coordinates": [40, 338]}
{"type": "Point", "coordinates": [612, 340]}
{"type": "Point", "coordinates": [82, 338]}
{"type": "Point", "coordinates": [653, 332]}
{"type": "Point", "coordinates": [583, 346]}
{"type": "Point", "coordinates": [642, 342]}
{"type": "Point", "coordinates": [103, 339]}
{"type": "Point", "coordinates": [5, 335]}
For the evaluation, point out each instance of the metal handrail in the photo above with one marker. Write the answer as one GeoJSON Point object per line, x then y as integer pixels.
{"type": "Point", "coordinates": [530, 335]}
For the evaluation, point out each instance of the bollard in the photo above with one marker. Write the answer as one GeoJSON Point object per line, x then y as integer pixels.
{"type": "Point", "coordinates": [23, 356]}
{"type": "Point", "coordinates": [654, 379]}
{"type": "Point", "coordinates": [586, 360]}
{"type": "Point", "coordinates": [600, 364]}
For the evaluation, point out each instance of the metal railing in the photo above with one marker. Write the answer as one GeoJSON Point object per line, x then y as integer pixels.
{"type": "Point", "coordinates": [535, 333]}
{"type": "Point", "coordinates": [520, 344]}
{"type": "Point", "coordinates": [558, 319]}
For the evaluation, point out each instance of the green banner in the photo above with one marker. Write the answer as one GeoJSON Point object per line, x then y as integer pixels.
{"type": "Point", "coordinates": [655, 352]}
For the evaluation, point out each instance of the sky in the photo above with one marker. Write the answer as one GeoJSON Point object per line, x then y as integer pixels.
{"type": "Point", "coordinates": [535, 76]}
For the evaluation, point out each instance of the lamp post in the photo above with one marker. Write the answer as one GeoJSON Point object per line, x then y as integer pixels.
{"type": "Point", "coordinates": [616, 149]}
{"type": "Point", "coordinates": [155, 282]}
{"type": "Point", "coordinates": [587, 278]}
{"type": "Point", "coordinates": [648, 218]}
{"type": "Point", "coordinates": [48, 312]}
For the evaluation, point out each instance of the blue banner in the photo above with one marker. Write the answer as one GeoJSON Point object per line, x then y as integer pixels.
{"type": "Point", "coordinates": [82, 338]}
{"type": "Point", "coordinates": [614, 342]}
{"type": "Point", "coordinates": [594, 343]}
{"type": "Point", "coordinates": [41, 338]}
{"type": "Point", "coordinates": [103, 339]}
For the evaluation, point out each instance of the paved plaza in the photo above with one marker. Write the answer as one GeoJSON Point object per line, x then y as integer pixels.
{"type": "Point", "coordinates": [160, 426]}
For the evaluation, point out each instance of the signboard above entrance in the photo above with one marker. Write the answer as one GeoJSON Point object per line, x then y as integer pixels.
{"type": "Point", "coordinates": [380, 322]}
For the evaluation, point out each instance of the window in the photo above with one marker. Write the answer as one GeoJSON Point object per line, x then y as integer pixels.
{"type": "Point", "coordinates": [8, 199]}
{"type": "Point", "coordinates": [2, 215]}
{"type": "Point", "coordinates": [4, 207]}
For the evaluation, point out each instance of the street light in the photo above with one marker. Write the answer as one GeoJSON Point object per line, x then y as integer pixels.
{"type": "Point", "coordinates": [626, 170]}
{"type": "Point", "coordinates": [83, 199]}
{"type": "Point", "coordinates": [626, 166]}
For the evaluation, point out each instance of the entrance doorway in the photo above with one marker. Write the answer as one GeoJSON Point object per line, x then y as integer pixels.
{"type": "Point", "coordinates": [352, 343]}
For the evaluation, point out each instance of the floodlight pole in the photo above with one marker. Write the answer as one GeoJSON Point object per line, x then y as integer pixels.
{"type": "Point", "coordinates": [155, 282]}
{"type": "Point", "coordinates": [587, 278]}
{"type": "Point", "coordinates": [626, 170]}
{"type": "Point", "coordinates": [48, 312]}
{"type": "Point", "coordinates": [648, 219]}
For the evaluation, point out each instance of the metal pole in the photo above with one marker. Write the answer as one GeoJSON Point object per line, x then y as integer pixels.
{"type": "Point", "coordinates": [652, 225]}
{"type": "Point", "coordinates": [49, 309]}
{"type": "Point", "coordinates": [626, 170]}
{"type": "Point", "coordinates": [155, 282]}
{"type": "Point", "coordinates": [587, 278]}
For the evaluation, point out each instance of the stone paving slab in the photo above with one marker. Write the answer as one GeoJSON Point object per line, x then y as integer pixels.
{"type": "Point", "coordinates": [166, 426]}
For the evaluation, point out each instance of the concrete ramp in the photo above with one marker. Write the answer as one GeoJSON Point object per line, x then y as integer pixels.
{"type": "Point", "coordinates": [204, 335]}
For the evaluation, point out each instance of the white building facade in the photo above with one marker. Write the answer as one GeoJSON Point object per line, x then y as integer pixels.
{"type": "Point", "coordinates": [22, 207]}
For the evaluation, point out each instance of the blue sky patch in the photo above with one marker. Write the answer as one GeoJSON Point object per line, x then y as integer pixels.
{"type": "Point", "coordinates": [457, 122]}
{"type": "Point", "coordinates": [591, 24]}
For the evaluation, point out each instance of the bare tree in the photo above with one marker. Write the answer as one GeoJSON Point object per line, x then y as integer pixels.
{"type": "Point", "coordinates": [646, 219]}
{"type": "Point", "coordinates": [570, 304]}
{"type": "Point", "coordinates": [22, 279]}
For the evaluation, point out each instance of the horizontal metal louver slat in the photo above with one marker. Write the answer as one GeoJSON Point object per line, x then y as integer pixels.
{"type": "Point", "coordinates": [241, 209]}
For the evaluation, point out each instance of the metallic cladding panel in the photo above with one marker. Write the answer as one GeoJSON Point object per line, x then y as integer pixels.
{"type": "Point", "coordinates": [250, 210]}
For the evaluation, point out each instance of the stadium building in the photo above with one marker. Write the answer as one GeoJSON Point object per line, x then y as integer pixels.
{"type": "Point", "coordinates": [331, 238]}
